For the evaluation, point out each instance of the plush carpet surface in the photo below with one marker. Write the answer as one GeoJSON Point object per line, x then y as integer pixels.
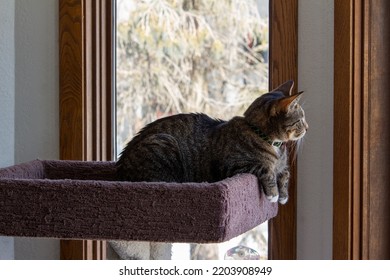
{"type": "Point", "coordinates": [83, 200]}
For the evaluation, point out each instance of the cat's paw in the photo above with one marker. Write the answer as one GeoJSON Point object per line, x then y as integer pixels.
{"type": "Point", "coordinates": [273, 198]}
{"type": "Point", "coordinates": [283, 199]}
{"type": "Point", "coordinates": [272, 193]}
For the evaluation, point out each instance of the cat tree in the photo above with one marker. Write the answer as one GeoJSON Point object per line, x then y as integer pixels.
{"type": "Point", "coordinates": [83, 200]}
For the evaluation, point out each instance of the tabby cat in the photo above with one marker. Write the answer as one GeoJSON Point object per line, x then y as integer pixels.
{"type": "Point", "coordinates": [197, 148]}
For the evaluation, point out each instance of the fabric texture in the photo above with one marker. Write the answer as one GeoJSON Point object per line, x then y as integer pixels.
{"type": "Point", "coordinates": [83, 200]}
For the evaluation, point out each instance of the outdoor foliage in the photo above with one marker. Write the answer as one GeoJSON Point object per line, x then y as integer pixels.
{"type": "Point", "coordinates": [178, 56]}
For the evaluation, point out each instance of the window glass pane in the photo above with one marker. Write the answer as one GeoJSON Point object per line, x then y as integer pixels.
{"type": "Point", "coordinates": [180, 56]}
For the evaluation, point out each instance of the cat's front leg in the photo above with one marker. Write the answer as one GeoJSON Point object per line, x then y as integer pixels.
{"type": "Point", "coordinates": [267, 179]}
{"type": "Point", "coordinates": [283, 179]}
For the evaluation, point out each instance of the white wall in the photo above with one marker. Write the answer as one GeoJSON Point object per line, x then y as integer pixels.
{"type": "Point", "coordinates": [29, 86]}
{"type": "Point", "coordinates": [315, 160]}
{"type": "Point", "coordinates": [36, 80]}
{"type": "Point", "coordinates": [7, 83]}
{"type": "Point", "coordinates": [7, 102]}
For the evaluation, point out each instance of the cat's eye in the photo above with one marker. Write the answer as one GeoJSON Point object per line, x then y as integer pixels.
{"type": "Point", "coordinates": [291, 124]}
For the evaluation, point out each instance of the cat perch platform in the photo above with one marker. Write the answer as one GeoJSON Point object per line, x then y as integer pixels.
{"type": "Point", "coordinates": [83, 200]}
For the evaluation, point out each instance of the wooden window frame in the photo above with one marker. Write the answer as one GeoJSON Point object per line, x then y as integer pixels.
{"type": "Point", "coordinates": [86, 87]}
{"type": "Point", "coordinates": [361, 216]}
{"type": "Point", "coordinates": [86, 96]}
{"type": "Point", "coordinates": [283, 66]}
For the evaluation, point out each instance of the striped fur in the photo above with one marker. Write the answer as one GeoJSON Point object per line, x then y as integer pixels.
{"type": "Point", "coordinates": [197, 148]}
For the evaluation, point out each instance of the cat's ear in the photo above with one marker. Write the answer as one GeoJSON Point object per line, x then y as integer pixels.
{"type": "Point", "coordinates": [283, 105]}
{"type": "Point", "coordinates": [285, 88]}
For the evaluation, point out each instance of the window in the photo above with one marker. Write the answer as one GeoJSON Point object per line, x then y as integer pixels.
{"type": "Point", "coordinates": [86, 83]}
{"type": "Point", "coordinates": [206, 56]}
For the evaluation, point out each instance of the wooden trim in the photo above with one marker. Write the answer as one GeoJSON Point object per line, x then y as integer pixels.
{"type": "Point", "coordinates": [375, 214]}
{"type": "Point", "coordinates": [361, 222]}
{"type": "Point", "coordinates": [343, 143]}
{"type": "Point", "coordinates": [71, 80]}
{"type": "Point", "coordinates": [85, 30]}
{"type": "Point", "coordinates": [82, 250]}
{"type": "Point", "coordinates": [284, 66]}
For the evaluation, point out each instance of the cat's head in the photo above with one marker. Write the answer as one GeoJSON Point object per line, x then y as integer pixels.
{"type": "Point", "coordinates": [278, 114]}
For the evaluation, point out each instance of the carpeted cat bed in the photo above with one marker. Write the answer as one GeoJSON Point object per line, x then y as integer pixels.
{"type": "Point", "coordinates": [83, 200]}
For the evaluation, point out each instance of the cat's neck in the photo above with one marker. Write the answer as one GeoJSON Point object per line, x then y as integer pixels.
{"type": "Point", "coordinates": [273, 142]}
{"type": "Point", "coordinates": [241, 123]}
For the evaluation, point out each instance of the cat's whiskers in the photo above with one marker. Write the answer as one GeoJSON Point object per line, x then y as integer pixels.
{"type": "Point", "coordinates": [295, 147]}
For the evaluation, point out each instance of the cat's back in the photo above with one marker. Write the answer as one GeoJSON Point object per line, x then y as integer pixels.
{"type": "Point", "coordinates": [181, 125]}
{"type": "Point", "coordinates": [173, 144]}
